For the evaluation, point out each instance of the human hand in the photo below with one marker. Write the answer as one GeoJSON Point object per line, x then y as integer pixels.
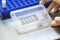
{"type": "Point", "coordinates": [55, 4]}
{"type": "Point", "coordinates": [56, 22]}
{"type": "Point", "coordinates": [44, 1]}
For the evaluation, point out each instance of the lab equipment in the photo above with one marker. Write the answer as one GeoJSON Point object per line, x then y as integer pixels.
{"type": "Point", "coordinates": [30, 19]}
{"type": "Point", "coordinates": [12, 5]}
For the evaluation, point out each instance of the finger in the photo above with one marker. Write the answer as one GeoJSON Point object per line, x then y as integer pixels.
{"type": "Point", "coordinates": [47, 0]}
{"type": "Point", "coordinates": [42, 2]}
{"type": "Point", "coordinates": [57, 1]}
{"type": "Point", "coordinates": [54, 24]}
{"type": "Point", "coordinates": [57, 19]}
{"type": "Point", "coordinates": [56, 10]}
{"type": "Point", "coordinates": [52, 5]}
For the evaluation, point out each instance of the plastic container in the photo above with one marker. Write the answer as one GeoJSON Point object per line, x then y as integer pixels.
{"type": "Point", "coordinates": [30, 19]}
{"type": "Point", "coordinates": [12, 5]}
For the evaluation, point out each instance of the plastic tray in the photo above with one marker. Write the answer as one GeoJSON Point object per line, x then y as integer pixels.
{"type": "Point", "coordinates": [12, 5]}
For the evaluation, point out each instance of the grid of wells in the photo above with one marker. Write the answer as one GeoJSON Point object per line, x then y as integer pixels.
{"type": "Point", "coordinates": [16, 4]}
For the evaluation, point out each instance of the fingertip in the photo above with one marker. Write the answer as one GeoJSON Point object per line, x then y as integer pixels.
{"type": "Point", "coordinates": [41, 2]}
{"type": "Point", "coordinates": [57, 18]}
{"type": "Point", "coordinates": [54, 24]}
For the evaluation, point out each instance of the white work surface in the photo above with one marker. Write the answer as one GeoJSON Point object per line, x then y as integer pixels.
{"type": "Point", "coordinates": [7, 32]}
